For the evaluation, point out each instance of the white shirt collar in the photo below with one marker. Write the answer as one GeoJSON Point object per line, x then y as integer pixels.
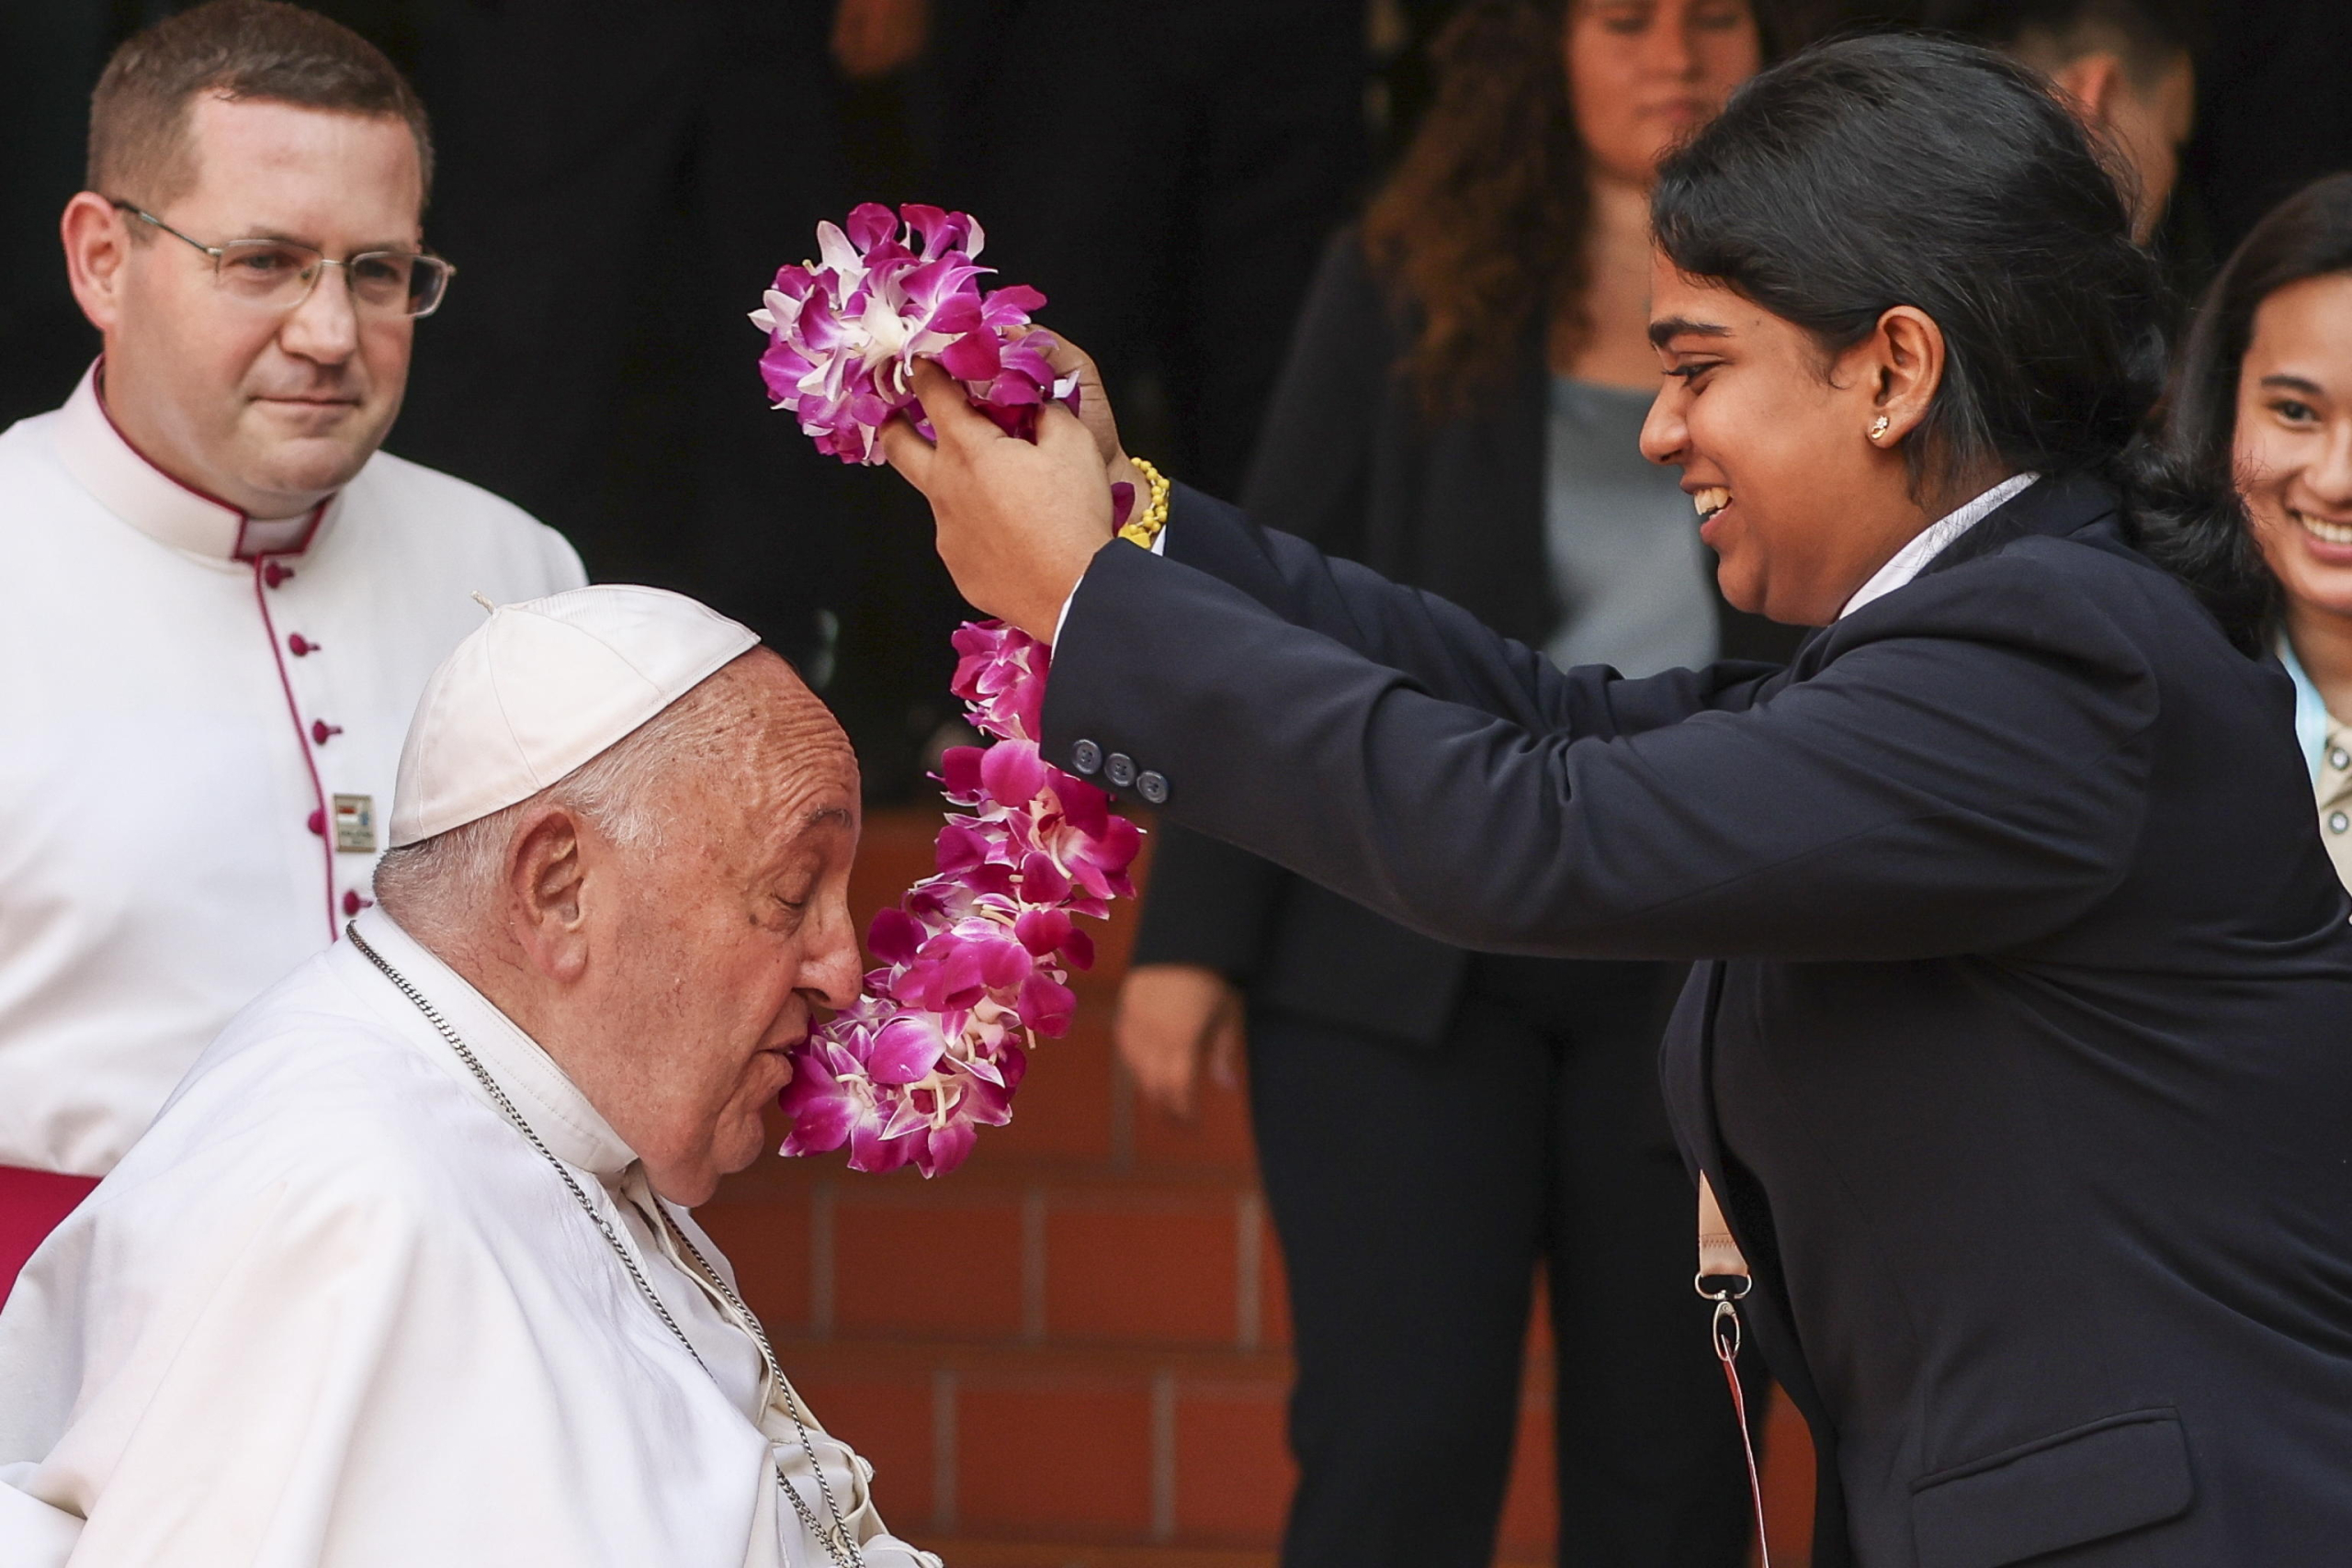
{"type": "Point", "coordinates": [1931, 542]}
{"type": "Point", "coordinates": [2313, 721]}
{"type": "Point", "coordinates": [548, 1099]}
{"type": "Point", "coordinates": [96, 452]}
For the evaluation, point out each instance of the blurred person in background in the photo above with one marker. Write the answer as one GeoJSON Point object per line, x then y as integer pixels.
{"type": "Point", "coordinates": [624, 180]}
{"type": "Point", "coordinates": [873, 38]}
{"type": "Point", "coordinates": [2126, 67]}
{"type": "Point", "coordinates": [225, 599]}
{"type": "Point", "coordinates": [1166, 173]}
{"type": "Point", "coordinates": [1461, 408]}
{"type": "Point", "coordinates": [2264, 392]}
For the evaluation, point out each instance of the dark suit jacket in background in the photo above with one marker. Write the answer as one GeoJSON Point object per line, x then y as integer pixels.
{"type": "Point", "coordinates": [2022, 1051]}
{"type": "Point", "coordinates": [1169, 192]}
{"type": "Point", "coordinates": [1349, 460]}
{"type": "Point", "coordinates": [617, 182]}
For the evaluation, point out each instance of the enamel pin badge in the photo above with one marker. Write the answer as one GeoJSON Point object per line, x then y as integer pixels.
{"type": "Point", "coordinates": [354, 823]}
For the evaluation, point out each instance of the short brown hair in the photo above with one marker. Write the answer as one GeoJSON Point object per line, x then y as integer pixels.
{"type": "Point", "coordinates": [239, 50]}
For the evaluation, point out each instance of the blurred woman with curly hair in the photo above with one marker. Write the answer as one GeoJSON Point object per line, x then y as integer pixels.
{"type": "Point", "coordinates": [1462, 411]}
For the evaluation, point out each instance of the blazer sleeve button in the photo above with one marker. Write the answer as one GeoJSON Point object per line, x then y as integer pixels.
{"type": "Point", "coordinates": [1153, 787]}
{"type": "Point", "coordinates": [1120, 769]}
{"type": "Point", "coordinates": [1086, 757]}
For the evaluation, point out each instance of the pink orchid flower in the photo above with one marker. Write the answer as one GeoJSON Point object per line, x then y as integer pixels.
{"type": "Point", "coordinates": [845, 329]}
{"type": "Point", "coordinates": [976, 959]}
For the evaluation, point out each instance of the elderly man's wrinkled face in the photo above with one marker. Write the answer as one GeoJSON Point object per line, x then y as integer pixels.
{"type": "Point", "coordinates": [711, 949]}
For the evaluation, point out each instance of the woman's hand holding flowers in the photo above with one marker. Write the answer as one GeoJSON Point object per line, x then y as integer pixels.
{"type": "Point", "coordinates": [1018, 521]}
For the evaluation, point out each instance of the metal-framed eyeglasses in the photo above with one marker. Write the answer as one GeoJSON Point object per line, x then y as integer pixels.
{"type": "Point", "coordinates": [278, 275]}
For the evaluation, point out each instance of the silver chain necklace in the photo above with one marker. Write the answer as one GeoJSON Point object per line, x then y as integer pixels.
{"type": "Point", "coordinates": [839, 1544]}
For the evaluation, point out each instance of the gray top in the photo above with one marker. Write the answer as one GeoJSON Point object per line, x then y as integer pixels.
{"type": "Point", "coordinates": [1622, 541]}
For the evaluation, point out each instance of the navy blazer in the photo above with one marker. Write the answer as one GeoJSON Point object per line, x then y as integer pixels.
{"type": "Point", "coordinates": [1350, 462]}
{"type": "Point", "coordinates": [2021, 1048]}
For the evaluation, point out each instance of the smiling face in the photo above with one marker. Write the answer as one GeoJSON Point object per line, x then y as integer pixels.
{"type": "Point", "coordinates": [707, 952]}
{"type": "Point", "coordinates": [2293, 443]}
{"type": "Point", "coordinates": [269, 409]}
{"type": "Point", "coordinates": [1797, 499]}
{"type": "Point", "coordinates": [1643, 73]}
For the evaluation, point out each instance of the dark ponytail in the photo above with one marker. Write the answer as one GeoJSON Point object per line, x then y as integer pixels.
{"type": "Point", "coordinates": [1900, 170]}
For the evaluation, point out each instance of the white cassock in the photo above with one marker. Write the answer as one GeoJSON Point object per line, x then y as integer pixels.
{"type": "Point", "coordinates": [200, 720]}
{"type": "Point", "coordinates": [334, 1310]}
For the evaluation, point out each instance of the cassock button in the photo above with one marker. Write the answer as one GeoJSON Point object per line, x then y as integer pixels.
{"type": "Point", "coordinates": [298, 645]}
{"type": "Point", "coordinates": [1086, 758]}
{"type": "Point", "coordinates": [353, 903]}
{"type": "Point", "coordinates": [319, 823]}
{"type": "Point", "coordinates": [1120, 769]}
{"type": "Point", "coordinates": [321, 729]}
{"type": "Point", "coordinates": [2339, 759]}
{"type": "Point", "coordinates": [273, 574]}
{"type": "Point", "coordinates": [2338, 822]}
{"type": "Point", "coordinates": [1153, 787]}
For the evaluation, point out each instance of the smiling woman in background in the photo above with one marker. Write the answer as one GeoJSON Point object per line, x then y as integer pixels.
{"type": "Point", "coordinates": [2266, 393]}
{"type": "Point", "coordinates": [1461, 409]}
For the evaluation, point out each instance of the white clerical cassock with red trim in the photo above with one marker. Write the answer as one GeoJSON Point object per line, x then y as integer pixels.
{"type": "Point", "coordinates": [200, 720]}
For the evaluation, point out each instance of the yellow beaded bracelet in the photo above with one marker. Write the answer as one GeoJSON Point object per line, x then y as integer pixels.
{"type": "Point", "coordinates": [1144, 527]}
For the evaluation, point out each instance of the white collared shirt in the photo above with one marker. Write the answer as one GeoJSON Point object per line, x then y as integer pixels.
{"type": "Point", "coordinates": [2326, 743]}
{"type": "Point", "coordinates": [1932, 541]}
{"type": "Point", "coordinates": [200, 721]}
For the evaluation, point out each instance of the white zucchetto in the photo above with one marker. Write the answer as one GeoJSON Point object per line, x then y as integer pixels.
{"type": "Point", "coordinates": [542, 687]}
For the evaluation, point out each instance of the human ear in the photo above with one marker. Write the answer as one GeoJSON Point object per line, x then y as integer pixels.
{"type": "Point", "coordinates": [1907, 351]}
{"type": "Point", "coordinates": [545, 883]}
{"type": "Point", "coordinates": [97, 246]}
{"type": "Point", "coordinates": [2090, 83]}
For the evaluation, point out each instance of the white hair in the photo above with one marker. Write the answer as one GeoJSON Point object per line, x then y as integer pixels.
{"type": "Point", "coordinates": [444, 886]}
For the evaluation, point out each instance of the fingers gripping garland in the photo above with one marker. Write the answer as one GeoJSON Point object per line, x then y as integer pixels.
{"type": "Point", "coordinates": [976, 958]}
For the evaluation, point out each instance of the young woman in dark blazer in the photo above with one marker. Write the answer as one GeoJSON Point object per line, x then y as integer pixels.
{"type": "Point", "coordinates": [2017, 1044]}
{"type": "Point", "coordinates": [1461, 409]}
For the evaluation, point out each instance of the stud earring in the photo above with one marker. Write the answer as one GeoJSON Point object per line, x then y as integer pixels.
{"type": "Point", "coordinates": [1879, 428]}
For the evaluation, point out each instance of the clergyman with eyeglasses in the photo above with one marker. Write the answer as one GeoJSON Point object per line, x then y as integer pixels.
{"type": "Point", "coordinates": [224, 599]}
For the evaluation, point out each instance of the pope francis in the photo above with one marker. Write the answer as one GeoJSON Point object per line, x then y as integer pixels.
{"type": "Point", "coordinates": [403, 1272]}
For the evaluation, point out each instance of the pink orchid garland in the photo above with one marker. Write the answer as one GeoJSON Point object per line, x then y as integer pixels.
{"type": "Point", "coordinates": [976, 958]}
{"type": "Point", "coordinates": [845, 329]}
